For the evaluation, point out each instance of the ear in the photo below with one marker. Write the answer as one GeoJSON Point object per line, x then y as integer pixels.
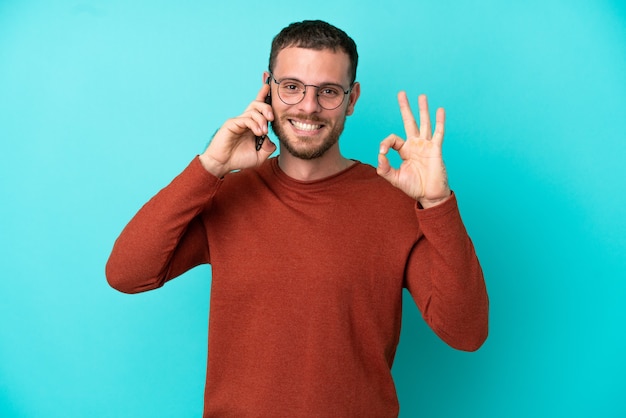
{"type": "Point", "coordinates": [353, 97]}
{"type": "Point", "coordinates": [266, 77]}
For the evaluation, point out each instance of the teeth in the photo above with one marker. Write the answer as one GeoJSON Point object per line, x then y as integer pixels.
{"type": "Point", "coordinates": [305, 126]}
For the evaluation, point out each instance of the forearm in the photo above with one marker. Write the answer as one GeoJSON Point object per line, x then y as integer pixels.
{"type": "Point", "coordinates": [165, 237]}
{"type": "Point", "coordinates": [446, 280]}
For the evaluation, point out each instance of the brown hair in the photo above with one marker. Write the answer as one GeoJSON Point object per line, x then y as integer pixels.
{"type": "Point", "coordinates": [315, 34]}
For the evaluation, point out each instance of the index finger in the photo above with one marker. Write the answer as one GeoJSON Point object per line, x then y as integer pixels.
{"type": "Point", "coordinates": [410, 126]}
{"type": "Point", "coordinates": [262, 94]}
{"type": "Point", "coordinates": [265, 109]}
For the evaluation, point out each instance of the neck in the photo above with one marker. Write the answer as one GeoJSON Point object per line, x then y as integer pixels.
{"type": "Point", "coordinates": [318, 168]}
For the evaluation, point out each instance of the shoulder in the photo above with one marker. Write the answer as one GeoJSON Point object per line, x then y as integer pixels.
{"type": "Point", "coordinates": [374, 190]}
{"type": "Point", "coordinates": [367, 175]}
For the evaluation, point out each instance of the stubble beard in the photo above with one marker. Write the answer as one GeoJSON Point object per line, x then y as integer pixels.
{"type": "Point", "coordinates": [309, 152]}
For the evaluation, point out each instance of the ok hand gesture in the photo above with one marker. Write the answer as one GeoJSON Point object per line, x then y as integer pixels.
{"type": "Point", "coordinates": [422, 174]}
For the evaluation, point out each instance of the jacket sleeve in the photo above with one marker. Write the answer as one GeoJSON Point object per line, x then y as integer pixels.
{"type": "Point", "coordinates": [166, 237]}
{"type": "Point", "coordinates": [445, 278]}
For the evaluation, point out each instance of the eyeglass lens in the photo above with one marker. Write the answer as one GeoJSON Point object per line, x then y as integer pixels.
{"type": "Point", "coordinates": [329, 96]}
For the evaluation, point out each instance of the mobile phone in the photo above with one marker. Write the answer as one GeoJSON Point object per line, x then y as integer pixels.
{"type": "Point", "coordinates": [268, 100]}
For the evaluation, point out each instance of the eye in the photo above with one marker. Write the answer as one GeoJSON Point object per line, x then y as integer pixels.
{"type": "Point", "coordinates": [330, 91]}
{"type": "Point", "coordinates": [291, 87]}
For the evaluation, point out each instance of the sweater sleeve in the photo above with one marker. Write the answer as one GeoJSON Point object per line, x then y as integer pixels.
{"type": "Point", "coordinates": [166, 237]}
{"type": "Point", "coordinates": [446, 280]}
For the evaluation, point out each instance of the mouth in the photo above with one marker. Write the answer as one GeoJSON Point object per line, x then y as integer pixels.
{"type": "Point", "coordinates": [305, 127]}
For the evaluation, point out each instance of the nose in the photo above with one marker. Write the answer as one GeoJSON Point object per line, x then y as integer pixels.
{"type": "Point", "coordinates": [309, 103]}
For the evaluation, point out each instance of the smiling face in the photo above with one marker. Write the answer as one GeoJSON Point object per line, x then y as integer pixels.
{"type": "Point", "coordinates": [306, 130]}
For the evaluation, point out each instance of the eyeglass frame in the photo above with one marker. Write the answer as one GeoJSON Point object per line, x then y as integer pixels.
{"type": "Point", "coordinates": [317, 95]}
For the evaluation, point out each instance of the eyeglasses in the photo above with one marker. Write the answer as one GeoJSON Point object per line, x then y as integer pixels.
{"type": "Point", "coordinates": [329, 96]}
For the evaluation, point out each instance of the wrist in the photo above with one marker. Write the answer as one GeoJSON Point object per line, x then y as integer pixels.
{"type": "Point", "coordinates": [212, 166]}
{"type": "Point", "coordinates": [429, 203]}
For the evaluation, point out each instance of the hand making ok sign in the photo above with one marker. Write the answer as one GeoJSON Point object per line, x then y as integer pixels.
{"type": "Point", "coordinates": [422, 174]}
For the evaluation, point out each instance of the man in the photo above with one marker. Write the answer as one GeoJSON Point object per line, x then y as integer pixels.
{"type": "Point", "coordinates": [310, 250]}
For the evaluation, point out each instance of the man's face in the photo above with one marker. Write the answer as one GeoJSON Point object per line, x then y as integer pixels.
{"type": "Point", "coordinates": [306, 130]}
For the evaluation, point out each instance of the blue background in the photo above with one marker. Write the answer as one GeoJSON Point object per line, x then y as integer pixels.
{"type": "Point", "coordinates": [102, 103]}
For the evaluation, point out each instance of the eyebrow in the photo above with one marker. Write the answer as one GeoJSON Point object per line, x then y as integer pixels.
{"type": "Point", "coordinates": [325, 83]}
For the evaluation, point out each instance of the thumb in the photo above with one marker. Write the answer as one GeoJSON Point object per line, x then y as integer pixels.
{"type": "Point", "coordinates": [267, 149]}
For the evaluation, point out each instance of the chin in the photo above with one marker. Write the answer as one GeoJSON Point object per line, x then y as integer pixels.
{"type": "Point", "coordinates": [306, 151]}
{"type": "Point", "coordinates": [301, 147]}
